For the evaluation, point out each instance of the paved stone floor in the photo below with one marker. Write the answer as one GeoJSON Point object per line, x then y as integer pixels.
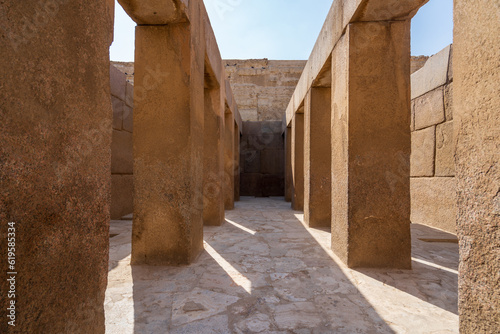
{"type": "Point", "coordinates": [263, 271]}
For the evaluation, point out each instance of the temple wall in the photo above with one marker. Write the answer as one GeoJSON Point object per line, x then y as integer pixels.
{"type": "Point", "coordinates": [122, 179]}
{"type": "Point", "coordinates": [433, 185]}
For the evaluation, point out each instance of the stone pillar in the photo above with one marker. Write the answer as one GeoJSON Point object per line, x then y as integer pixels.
{"type": "Point", "coordinates": [236, 162]}
{"type": "Point", "coordinates": [229, 161]}
{"type": "Point", "coordinates": [371, 145]}
{"type": "Point", "coordinates": [317, 158]}
{"type": "Point", "coordinates": [213, 156]}
{"type": "Point", "coordinates": [168, 145]}
{"type": "Point", "coordinates": [298, 162]}
{"type": "Point", "coordinates": [55, 164]}
{"type": "Point", "coordinates": [476, 75]}
{"type": "Point", "coordinates": [288, 165]}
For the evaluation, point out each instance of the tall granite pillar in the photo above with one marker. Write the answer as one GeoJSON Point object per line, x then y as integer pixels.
{"type": "Point", "coordinates": [236, 165]}
{"type": "Point", "coordinates": [168, 145]}
{"type": "Point", "coordinates": [288, 165]}
{"type": "Point", "coordinates": [213, 156]}
{"type": "Point", "coordinates": [229, 161]}
{"type": "Point", "coordinates": [317, 158]}
{"type": "Point", "coordinates": [476, 75]}
{"type": "Point", "coordinates": [55, 162]}
{"type": "Point", "coordinates": [371, 145]}
{"type": "Point", "coordinates": [298, 162]}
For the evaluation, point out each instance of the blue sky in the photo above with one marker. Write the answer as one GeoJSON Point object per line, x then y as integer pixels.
{"type": "Point", "coordinates": [286, 29]}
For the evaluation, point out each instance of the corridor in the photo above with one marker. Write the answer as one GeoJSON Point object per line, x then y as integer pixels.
{"type": "Point", "coordinates": [263, 271]}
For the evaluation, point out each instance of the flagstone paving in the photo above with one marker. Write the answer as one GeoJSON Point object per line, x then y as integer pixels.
{"type": "Point", "coordinates": [264, 271]}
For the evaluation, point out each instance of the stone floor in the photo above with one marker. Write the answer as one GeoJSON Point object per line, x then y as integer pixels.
{"type": "Point", "coordinates": [263, 271]}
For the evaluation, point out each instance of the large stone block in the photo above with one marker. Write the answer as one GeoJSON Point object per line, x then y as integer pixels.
{"type": "Point", "coordinates": [423, 152]}
{"type": "Point", "coordinates": [122, 199]}
{"type": "Point", "coordinates": [251, 184]}
{"type": "Point", "coordinates": [272, 162]}
{"type": "Point", "coordinates": [298, 162]}
{"type": "Point", "coordinates": [118, 83]}
{"type": "Point", "coordinates": [129, 95]}
{"type": "Point", "coordinates": [448, 101]}
{"type": "Point", "coordinates": [288, 165]}
{"type": "Point", "coordinates": [118, 110]}
{"type": "Point", "coordinates": [251, 161]}
{"type": "Point", "coordinates": [272, 185]}
{"type": "Point", "coordinates": [445, 150]}
{"type": "Point", "coordinates": [122, 158]}
{"type": "Point", "coordinates": [128, 118]}
{"type": "Point", "coordinates": [476, 80]}
{"type": "Point", "coordinates": [429, 109]}
{"type": "Point", "coordinates": [433, 75]}
{"type": "Point", "coordinates": [55, 139]}
{"type": "Point", "coordinates": [433, 202]}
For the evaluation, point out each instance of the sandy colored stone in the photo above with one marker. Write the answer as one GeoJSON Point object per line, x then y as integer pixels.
{"type": "Point", "coordinates": [237, 166]}
{"type": "Point", "coordinates": [122, 160]}
{"type": "Point", "coordinates": [445, 150]}
{"type": "Point", "coordinates": [433, 202]}
{"type": "Point", "coordinates": [213, 159]}
{"type": "Point", "coordinates": [298, 162]}
{"type": "Point", "coordinates": [370, 146]}
{"type": "Point", "coordinates": [122, 199]}
{"type": "Point", "coordinates": [118, 82]}
{"type": "Point", "coordinates": [168, 178]}
{"type": "Point", "coordinates": [228, 161]}
{"type": "Point", "coordinates": [128, 118]}
{"type": "Point", "coordinates": [433, 75]}
{"type": "Point", "coordinates": [429, 109]}
{"type": "Point", "coordinates": [118, 107]}
{"type": "Point", "coordinates": [477, 134]}
{"type": "Point", "coordinates": [423, 150]}
{"type": "Point", "coordinates": [288, 165]}
{"type": "Point", "coordinates": [317, 158]}
{"type": "Point", "coordinates": [55, 139]}
{"type": "Point", "coordinates": [448, 101]}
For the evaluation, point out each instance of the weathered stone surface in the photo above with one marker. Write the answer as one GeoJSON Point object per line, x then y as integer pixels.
{"type": "Point", "coordinates": [433, 202]}
{"type": "Point", "coordinates": [429, 109]}
{"type": "Point", "coordinates": [228, 161]}
{"type": "Point", "coordinates": [118, 83]}
{"type": "Point", "coordinates": [288, 165]}
{"type": "Point", "coordinates": [448, 101]}
{"type": "Point", "coordinates": [128, 118]}
{"type": "Point", "coordinates": [298, 162]}
{"type": "Point", "coordinates": [122, 160]}
{"type": "Point", "coordinates": [129, 94]}
{"type": "Point", "coordinates": [272, 161]}
{"type": "Point", "coordinates": [477, 134]}
{"type": "Point", "coordinates": [213, 159]}
{"type": "Point", "coordinates": [118, 107]}
{"type": "Point", "coordinates": [122, 200]}
{"type": "Point", "coordinates": [55, 139]}
{"type": "Point", "coordinates": [423, 149]}
{"type": "Point", "coordinates": [237, 166]}
{"type": "Point", "coordinates": [251, 161]}
{"type": "Point", "coordinates": [263, 88]}
{"type": "Point", "coordinates": [417, 63]}
{"type": "Point", "coordinates": [370, 146]}
{"type": "Point", "coordinates": [317, 158]}
{"type": "Point", "coordinates": [264, 282]}
{"type": "Point", "coordinates": [445, 150]}
{"type": "Point", "coordinates": [412, 121]}
{"type": "Point", "coordinates": [154, 12]}
{"type": "Point", "coordinates": [433, 75]}
{"type": "Point", "coordinates": [168, 147]}
{"type": "Point", "coordinates": [251, 184]}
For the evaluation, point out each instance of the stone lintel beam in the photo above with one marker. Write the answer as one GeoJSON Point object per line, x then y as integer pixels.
{"type": "Point", "coordinates": [341, 14]}
{"type": "Point", "coordinates": [156, 12]}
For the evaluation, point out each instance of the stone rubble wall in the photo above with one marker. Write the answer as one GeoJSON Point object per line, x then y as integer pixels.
{"type": "Point", "coordinates": [433, 186]}
{"type": "Point", "coordinates": [122, 179]}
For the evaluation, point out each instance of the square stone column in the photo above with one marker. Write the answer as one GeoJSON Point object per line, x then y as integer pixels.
{"type": "Point", "coordinates": [317, 158]}
{"type": "Point", "coordinates": [236, 162]}
{"type": "Point", "coordinates": [229, 161]}
{"type": "Point", "coordinates": [168, 145]}
{"type": "Point", "coordinates": [288, 165]}
{"type": "Point", "coordinates": [213, 156]}
{"type": "Point", "coordinates": [298, 162]}
{"type": "Point", "coordinates": [371, 145]}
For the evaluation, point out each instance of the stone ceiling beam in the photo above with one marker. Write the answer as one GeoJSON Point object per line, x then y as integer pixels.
{"type": "Point", "coordinates": [156, 12]}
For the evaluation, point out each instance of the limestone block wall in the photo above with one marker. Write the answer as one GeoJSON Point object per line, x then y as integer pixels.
{"type": "Point", "coordinates": [262, 88]}
{"type": "Point", "coordinates": [122, 179]}
{"type": "Point", "coordinates": [433, 186]}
